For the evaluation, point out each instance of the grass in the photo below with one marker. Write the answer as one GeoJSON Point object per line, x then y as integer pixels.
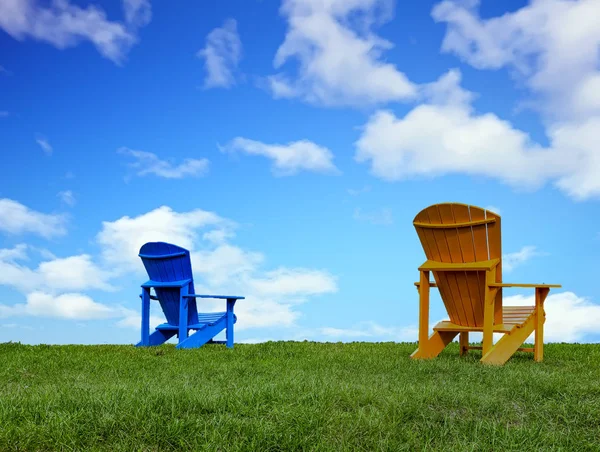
{"type": "Point", "coordinates": [295, 396]}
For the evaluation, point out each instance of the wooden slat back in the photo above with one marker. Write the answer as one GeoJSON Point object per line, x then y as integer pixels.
{"type": "Point", "coordinates": [495, 247]}
{"type": "Point", "coordinates": [447, 236]}
{"type": "Point", "coordinates": [430, 246]}
{"type": "Point", "coordinates": [164, 263]}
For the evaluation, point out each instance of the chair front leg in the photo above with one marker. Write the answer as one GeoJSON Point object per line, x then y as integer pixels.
{"type": "Point", "coordinates": [540, 317]}
{"type": "Point", "coordinates": [424, 309]}
{"type": "Point", "coordinates": [145, 316]}
{"type": "Point", "coordinates": [229, 331]}
{"type": "Point", "coordinates": [183, 314]}
{"type": "Point", "coordinates": [488, 312]}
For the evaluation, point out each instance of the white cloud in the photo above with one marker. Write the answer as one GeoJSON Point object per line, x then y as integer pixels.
{"type": "Point", "coordinates": [218, 236]}
{"type": "Point", "coordinates": [72, 306]}
{"type": "Point", "coordinates": [577, 145]}
{"type": "Point", "coordinates": [378, 217]}
{"type": "Point", "coordinates": [133, 319]}
{"type": "Point", "coordinates": [537, 42]}
{"type": "Point", "coordinates": [137, 12]}
{"type": "Point", "coordinates": [67, 197]}
{"type": "Point", "coordinates": [340, 58]}
{"type": "Point", "coordinates": [446, 90]}
{"type": "Point", "coordinates": [19, 252]}
{"type": "Point", "coordinates": [373, 331]}
{"type": "Point", "coordinates": [289, 158]}
{"type": "Point", "coordinates": [71, 273]}
{"type": "Point", "coordinates": [494, 209]}
{"type": "Point", "coordinates": [260, 312]}
{"type": "Point", "coordinates": [149, 163]}
{"type": "Point", "coordinates": [222, 55]}
{"type": "Point", "coordinates": [356, 192]}
{"type": "Point", "coordinates": [294, 282]}
{"type": "Point", "coordinates": [46, 147]}
{"type": "Point", "coordinates": [15, 274]}
{"type": "Point", "coordinates": [436, 139]}
{"type": "Point", "coordinates": [15, 218]}
{"type": "Point", "coordinates": [65, 25]}
{"type": "Point", "coordinates": [569, 318]}
{"type": "Point", "coordinates": [512, 260]}
{"type": "Point", "coordinates": [122, 239]}
{"type": "Point", "coordinates": [223, 263]}
{"type": "Point", "coordinates": [446, 136]}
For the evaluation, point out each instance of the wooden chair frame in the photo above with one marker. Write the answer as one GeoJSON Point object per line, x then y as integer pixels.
{"type": "Point", "coordinates": [516, 323]}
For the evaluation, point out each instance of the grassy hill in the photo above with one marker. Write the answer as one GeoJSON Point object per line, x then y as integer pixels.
{"type": "Point", "coordinates": [295, 396]}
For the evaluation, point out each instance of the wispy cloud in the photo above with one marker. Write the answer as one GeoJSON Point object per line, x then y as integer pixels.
{"type": "Point", "coordinates": [64, 25]}
{"type": "Point", "coordinates": [15, 218]}
{"type": "Point", "coordinates": [133, 319]}
{"type": "Point", "coordinates": [371, 330]}
{"type": "Point", "coordinates": [222, 55]}
{"type": "Point", "coordinates": [138, 13]}
{"type": "Point", "coordinates": [45, 145]}
{"type": "Point", "coordinates": [288, 159]}
{"type": "Point", "coordinates": [4, 114]}
{"type": "Point", "coordinates": [73, 306]}
{"type": "Point", "coordinates": [512, 260]}
{"type": "Point", "coordinates": [290, 282]}
{"type": "Point", "coordinates": [149, 163]}
{"type": "Point", "coordinates": [382, 217]}
{"type": "Point", "coordinates": [356, 192]}
{"type": "Point", "coordinates": [67, 197]}
{"type": "Point", "coordinates": [340, 58]}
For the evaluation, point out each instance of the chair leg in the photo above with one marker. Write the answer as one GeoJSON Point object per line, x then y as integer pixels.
{"type": "Point", "coordinates": [488, 313]}
{"type": "Point", "coordinates": [540, 318]}
{"type": "Point", "coordinates": [145, 317]}
{"type": "Point", "coordinates": [229, 331]}
{"type": "Point", "coordinates": [434, 345]}
{"type": "Point", "coordinates": [183, 314]}
{"type": "Point", "coordinates": [464, 343]}
{"type": "Point", "coordinates": [423, 316]}
{"type": "Point", "coordinates": [509, 343]}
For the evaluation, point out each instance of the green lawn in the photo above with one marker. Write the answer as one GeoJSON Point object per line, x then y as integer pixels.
{"type": "Point", "coordinates": [295, 396]}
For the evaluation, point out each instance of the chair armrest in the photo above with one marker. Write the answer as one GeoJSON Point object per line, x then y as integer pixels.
{"type": "Point", "coordinates": [152, 297]}
{"type": "Point", "coordinates": [435, 266]}
{"type": "Point", "coordinates": [222, 297]}
{"type": "Point", "coordinates": [431, 284]}
{"type": "Point", "coordinates": [537, 286]}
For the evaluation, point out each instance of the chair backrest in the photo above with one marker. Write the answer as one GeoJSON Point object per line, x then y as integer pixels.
{"type": "Point", "coordinates": [165, 262]}
{"type": "Point", "coordinates": [459, 233]}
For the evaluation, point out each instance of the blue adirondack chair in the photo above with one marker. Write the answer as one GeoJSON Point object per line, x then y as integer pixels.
{"type": "Point", "coordinates": [170, 271]}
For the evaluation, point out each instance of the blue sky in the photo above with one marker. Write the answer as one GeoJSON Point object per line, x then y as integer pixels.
{"type": "Point", "coordinates": [289, 146]}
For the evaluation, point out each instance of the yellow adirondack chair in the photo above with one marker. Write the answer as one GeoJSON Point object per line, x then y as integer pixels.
{"type": "Point", "coordinates": [463, 248]}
